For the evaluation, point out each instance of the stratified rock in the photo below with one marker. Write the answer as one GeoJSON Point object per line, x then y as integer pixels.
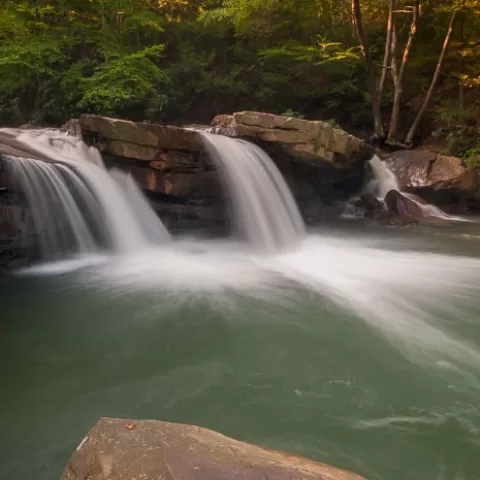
{"type": "Point", "coordinates": [140, 141]}
{"type": "Point", "coordinates": [403, 208]}
{"type": "Point", "coordinates": [302, 139]}
{"type": "Point", "coordinates": [437, 178]}
{"type": "Point", "coordinates": [118, 449]}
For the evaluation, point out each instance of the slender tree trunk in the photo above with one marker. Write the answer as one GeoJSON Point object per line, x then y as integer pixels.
{"type": "Point", "coordinates": [393, 61]}
{"type": "Point", "coordinates": [388, 48]}
{"type": "Point", "coordinates": [372, 80]}
{"type": "Point", "coordinates": [433, 84]}
{"type": "Point", "coordinates": [398, 80]}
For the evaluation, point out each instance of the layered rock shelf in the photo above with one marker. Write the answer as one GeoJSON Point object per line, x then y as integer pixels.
{"type": "Point", "coordinates": [304, 140]}
{"type": "Point", "coordinates": [321, 164]}
{"type": "Point", "coordinates": [117, 449]}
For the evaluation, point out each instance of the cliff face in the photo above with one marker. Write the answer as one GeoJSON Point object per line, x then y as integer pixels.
{"type": "Point", "coordinates": [320, 164]}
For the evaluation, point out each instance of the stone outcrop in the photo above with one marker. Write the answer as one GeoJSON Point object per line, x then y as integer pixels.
{"type": "Point", "coordinates": [173, 168]}
{"type": "Point", "coordinates": [169, 164]}
{"type": "Point", "coordinates": [17, 232]}
{"type": "Point", "coordinates": [403, 208]}
{"type": "Point", "coordinates": [118, 449]}
{"type": "Point", "coordinates": [368, 206]}
{"type": "Point", "coordinates": [304, 140]}
{"type": "Point", "coordinates": [437, 178]}
{"type": "Point", "coordinates": [140, 141]}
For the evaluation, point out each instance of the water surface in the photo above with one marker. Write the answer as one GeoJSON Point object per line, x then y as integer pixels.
{"type": "Point", "coordinates": [360, 349]}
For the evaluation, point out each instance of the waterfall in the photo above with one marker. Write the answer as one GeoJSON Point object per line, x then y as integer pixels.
{"type": "Point", "coordinates": [385, 180]}
{"type": "Point", "coordinates": [264, 210]}
{"type": "Point", "coordinates": [76, 204]}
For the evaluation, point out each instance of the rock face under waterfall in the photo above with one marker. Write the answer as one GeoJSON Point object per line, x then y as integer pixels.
{"type": "Point", "coordinates": [148, 449]}
{"type": "Point", "coordinates": [169, 164]}
{"type": "Point", "coordinates": [17, 235]}
{"type": "Point", "coordinates": [320, 164]}
{"type": "Point", "coordinates": [437, 178]}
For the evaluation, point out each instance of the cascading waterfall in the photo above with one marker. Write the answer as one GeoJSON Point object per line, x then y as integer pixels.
{"type": "Point", "coordinates": [264, 210]}
{"type": "Point", "coordinates": [77, 206]}
{"type": "Point", "coordinates": [385, 180]}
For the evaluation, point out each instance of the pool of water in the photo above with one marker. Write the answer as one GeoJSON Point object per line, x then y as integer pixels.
{"type": "Point", "coordinates": [361, 349]}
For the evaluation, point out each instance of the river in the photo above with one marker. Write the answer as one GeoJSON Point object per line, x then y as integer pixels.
{"type": "Point", "coordinates": [359, 348]}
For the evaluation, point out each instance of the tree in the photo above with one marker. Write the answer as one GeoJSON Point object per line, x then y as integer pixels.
{"type": "Point", "coordinates": [372, 79]}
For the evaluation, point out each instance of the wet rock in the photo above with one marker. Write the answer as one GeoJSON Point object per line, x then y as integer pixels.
{"type": "Point", "coordinates": [147, 449]}
{"type": "Point", "coordinates": [72, 127]}
{"type": "Point", "coordinates": [371, 206]}
{"type": "Point", "coordinates": [402, 208]}
{"type": "Point", "coordinates": [438, 179]}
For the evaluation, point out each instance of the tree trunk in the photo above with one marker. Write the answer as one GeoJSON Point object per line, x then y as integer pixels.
{"type": "Point", "coordinates": [398, 81]}
{"type": "Point", "coordinates": [371, 77]}
{"type": "Point", "coordinates": [388, 48]}
{"type": "Point", "coordinates": [436, 76]}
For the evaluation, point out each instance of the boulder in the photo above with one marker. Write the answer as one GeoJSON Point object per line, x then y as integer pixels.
{"type": "Point", "coordinates": [370, 204]}
{"type": "Point", "coordinates": [436, 178]}
{"type": "Point", "coordinates": [118, 449]}
{"type": "Point", "coordinates": [403, 208]}
{"type": "Point", "coordinates": [140, 141]}
{"type": "Point", "coordinates": [304, 140]}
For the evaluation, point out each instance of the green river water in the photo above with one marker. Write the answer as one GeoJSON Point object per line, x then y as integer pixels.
{"type": "Point", "coordinates": [362, 351]}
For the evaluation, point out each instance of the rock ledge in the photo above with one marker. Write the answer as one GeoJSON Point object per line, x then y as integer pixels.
{"type": "Point", "coordinates": [117, 449]}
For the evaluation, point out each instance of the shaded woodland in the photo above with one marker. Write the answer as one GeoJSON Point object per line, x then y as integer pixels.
{"type": "Point", "coordinates": [400, 72]}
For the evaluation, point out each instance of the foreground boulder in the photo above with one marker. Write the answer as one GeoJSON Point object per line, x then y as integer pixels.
{"type": "Point", "coordinates": [118, 449]}
{"type": "Point", "coordinates": [302, 139]}
{"type": "Point", "coordinates": [437, 178]}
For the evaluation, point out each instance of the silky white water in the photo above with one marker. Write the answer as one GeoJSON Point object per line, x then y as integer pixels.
{"type": "Point", "coordinates": [263, 209]}
{"type": "Point", "coordinates": [79, 202]}
{"type": "Point", "coordinates": [385, 180]}
{"type": "Point", "coordinates": [76, 204]}
{"type": "Point", "coordinates": [357, 348]}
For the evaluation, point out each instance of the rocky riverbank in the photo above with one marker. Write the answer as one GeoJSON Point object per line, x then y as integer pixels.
{"type": "Point", "coordinates": [149, 449]}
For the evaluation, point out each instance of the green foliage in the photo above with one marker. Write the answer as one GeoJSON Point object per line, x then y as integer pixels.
{"type": "Point", "coordinates": [124, 82]}
{"type": "Point", "coordinates": [471, 157]}
{"type": "Point", "coordinates": [187, 60]}
{"type": "Point", "coordinates": [291, 113]}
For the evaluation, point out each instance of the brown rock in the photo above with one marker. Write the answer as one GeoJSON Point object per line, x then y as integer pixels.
{"type": "Point", "coordinates": [402, 207]}
{"type": "Point", "coordinates": [302, 139]}
{"type": "Point", "coordinates": [426, 170]}
{"type": "Point", "coordinates": [178, 184]}
{"type": "Point", "coordinates": [372, 207]}
{"type": "Point", "coordinates": [118, 449]}
{"type": "Point", "coordinates": [129, 139]}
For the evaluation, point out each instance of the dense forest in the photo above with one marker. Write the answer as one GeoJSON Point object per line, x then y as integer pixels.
{"type": "Point", "coordinates": [398, 71]}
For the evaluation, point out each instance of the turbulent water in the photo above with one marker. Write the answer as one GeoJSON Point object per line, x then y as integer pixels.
{"type": "Point", "coordinates": [359, 348]}
{"type": "Point", "coordinates": [77, 205]}
{"type": "Point", "coordinates": [385, 180]}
